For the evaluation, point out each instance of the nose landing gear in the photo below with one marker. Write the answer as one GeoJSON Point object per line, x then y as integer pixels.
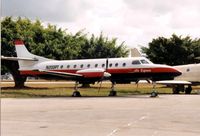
{"type": "Point", "coordinates": [154, 93]}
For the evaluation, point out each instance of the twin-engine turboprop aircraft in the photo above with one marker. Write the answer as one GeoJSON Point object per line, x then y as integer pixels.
{"type": "Point", "coordinates": [117, 70]}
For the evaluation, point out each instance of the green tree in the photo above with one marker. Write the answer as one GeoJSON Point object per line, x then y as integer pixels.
{"type": "Point", "coordinates": [101, 47]}
{"type": "Point", "coordinates": [173, 51]}
{"type": "Point", "coordinates": [9, 31]}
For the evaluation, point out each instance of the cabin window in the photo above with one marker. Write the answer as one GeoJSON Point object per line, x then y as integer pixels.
{"type": "Point", "coordinates": [110, 65]}
{"type": "Point", "coordinates": [135, 62]}
{"type": "Point", "coordinates": [74, 66]}
{"type": "Point", "coordinates": [88, 65]}
{"type": "Point", "coordinates": [61, 66]}
{"type": "Point", "coordinates": [68, 66]}
{"type": "Point", "coordinates": [124, 64]}
{"type": "Point", "coordinates": [103, 65]}
{"type": "Point", "coordinates": [96, 65]}
{"type": "Point", "coordinates": [116, 64]}
{"type": "Point", "coordinates": [81, 66]}
{"type": "Point", "coordinates": [144, 61]}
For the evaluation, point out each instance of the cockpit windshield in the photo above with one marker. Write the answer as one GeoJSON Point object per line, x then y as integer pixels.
{"type": "Point", "coordinates": [143, 61]}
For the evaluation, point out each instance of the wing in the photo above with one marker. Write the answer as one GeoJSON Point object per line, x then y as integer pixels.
{"type": "Point", "coordinates": [86, 73]}
{"type": "Point", "coordinates": [60, 74]}
{"type": "Point", "coordinates": [94, 73]}
{"type": "Point", "coordinates": [174, 82]}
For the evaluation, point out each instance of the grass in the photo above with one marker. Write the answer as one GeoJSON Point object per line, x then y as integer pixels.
{"type": "Point", "coordinates": [65, 89]}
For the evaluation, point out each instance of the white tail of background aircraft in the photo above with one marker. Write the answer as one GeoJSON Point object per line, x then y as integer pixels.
{"type": "Point", "coordinates": [135, 53]}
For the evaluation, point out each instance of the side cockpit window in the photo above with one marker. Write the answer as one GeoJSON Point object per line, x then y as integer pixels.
{"type": "Point", "coordinates": [136, 62]}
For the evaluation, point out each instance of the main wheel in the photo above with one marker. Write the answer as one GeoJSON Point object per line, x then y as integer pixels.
{"type": "Point", "coordinates": [188, 91]}
{"type": "Point", "coordinates": [112, 93]}
{"type": "Point", "coordinates": [76, 94]}
{"type": "Point", "coordinates": [176, 90]}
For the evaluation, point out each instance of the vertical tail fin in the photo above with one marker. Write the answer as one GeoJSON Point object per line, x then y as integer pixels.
{"type": "Point", "coordinates": [21, 50]}
{"type": "Point", "coordinates": [26, 59]}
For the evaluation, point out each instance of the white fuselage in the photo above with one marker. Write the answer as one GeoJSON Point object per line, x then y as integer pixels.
{"type": "Point", "coordinates": [190, 72]}
{"type": "Point", "coordinates": [111, 63]}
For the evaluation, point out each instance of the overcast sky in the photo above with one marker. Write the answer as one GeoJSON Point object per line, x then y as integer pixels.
{"type": "Point", "coordinates": [136, 22]}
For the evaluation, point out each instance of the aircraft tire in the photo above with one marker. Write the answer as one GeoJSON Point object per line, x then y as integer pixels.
{"type": "Point", "coordinates": [176, 90]}
{"type": "Point", "coordinates": [154, 94]}
{"type": "Point", "coordinates": [188, 91]}
{"type": "Point", "coordinates": [112, 93]}
{"type": "Point", "coordinates": [76, 94]}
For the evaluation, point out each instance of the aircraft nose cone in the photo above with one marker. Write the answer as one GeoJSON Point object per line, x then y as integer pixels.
{"type": "Point", "coordinates": [176, 72]}
{"type": "Point", "coordinates": [179, 73]}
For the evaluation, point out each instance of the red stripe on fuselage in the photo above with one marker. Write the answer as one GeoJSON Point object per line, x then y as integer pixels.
{"type": "Point", "coordinates": [141, 70]}
{"type": "Point", "coordinates": [86, 75]}
{"type": "Point", "coordinates": [111, 71]}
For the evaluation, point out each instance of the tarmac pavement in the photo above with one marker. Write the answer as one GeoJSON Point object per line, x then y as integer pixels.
{"type": "Point", "coordinates": [139, 115]}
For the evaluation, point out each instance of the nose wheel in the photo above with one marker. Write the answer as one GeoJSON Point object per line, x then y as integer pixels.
{"type": "Point", "coordinates": [154, 93]}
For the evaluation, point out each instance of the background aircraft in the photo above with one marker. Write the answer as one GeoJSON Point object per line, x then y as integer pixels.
{"type": "Point", "coordinates": [117, 70]}
{"type": "Point", "coordinates": [190, 77]}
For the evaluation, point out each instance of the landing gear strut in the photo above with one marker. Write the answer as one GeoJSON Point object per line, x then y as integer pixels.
{"type": "Point", "coordinates": [76, 93]}
{"type": "Point", "coordinates": [154, 93]}
{"type": "Point", "coordinates": [113, 92]}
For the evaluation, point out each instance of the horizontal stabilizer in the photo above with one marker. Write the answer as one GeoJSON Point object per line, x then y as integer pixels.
{"type": "Point", "coordinates": [18, 58]}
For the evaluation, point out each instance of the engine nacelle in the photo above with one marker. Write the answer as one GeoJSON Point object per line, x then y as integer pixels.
{"type": "Point", "coordinates": [93, 73]}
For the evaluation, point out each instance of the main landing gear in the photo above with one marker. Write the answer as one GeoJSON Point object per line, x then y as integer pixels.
{"type": "Point", "coordinates": [181, 88]}
{"type": "Point", "coordinates": [154, 93]}
{"type": "Point", "coordinates": [113, 92]}
{"type": "Point", "coordinates": [76, 93]}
